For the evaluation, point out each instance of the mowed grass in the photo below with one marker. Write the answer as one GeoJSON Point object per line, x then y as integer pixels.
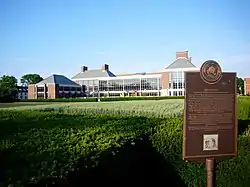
{"type": "Point", "coordinates": [149, 108]}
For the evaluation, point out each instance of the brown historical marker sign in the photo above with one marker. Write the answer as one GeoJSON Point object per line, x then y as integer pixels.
{"type": "Point", "coordinates": [210, 121]}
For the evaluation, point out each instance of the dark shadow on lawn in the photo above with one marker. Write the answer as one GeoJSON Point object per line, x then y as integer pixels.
{"type": "Point", "coordinates": [242, 126]}
{"type": "Point", "coordinates": [136, 165]}
{"type": "Point", "coordinates": [12, 166]}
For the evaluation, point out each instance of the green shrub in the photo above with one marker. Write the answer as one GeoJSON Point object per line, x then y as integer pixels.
{"type": "Point", "coordinates": [243, 107]}
{"type": "Point", "coordinates": [167, 139]}
{"type": "Point", "coordinates": [50, 144]}
{"type": "Point", "coordinates": [62, 100]}
{"type": "Point", "coordinates": [103, 99]}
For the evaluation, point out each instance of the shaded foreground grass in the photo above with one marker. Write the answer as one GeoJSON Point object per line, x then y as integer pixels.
{"type": "Point", "coordinates": [77, 150]}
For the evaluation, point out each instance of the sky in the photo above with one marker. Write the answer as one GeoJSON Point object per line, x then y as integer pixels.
{"type": "Point", "coordinates": [59, 36]}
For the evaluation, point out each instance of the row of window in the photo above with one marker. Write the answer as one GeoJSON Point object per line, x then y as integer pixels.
{"type": "Point", "coordinates": [61, 88]}
{"type": "Point", "coordinates": [61, 95]}
{"type": "Point", "coordinates": [177, 75]}
{"type": "Point", "coordinates": [122, 85]}
{"type": "Point", "coordinates": [177, 93]}
{"type": "Point", "coordinates": [177, 85]}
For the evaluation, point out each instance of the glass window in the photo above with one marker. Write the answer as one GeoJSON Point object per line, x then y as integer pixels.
{"type": "Point", "coordinates": [160, 85]}
{"type": "Point", "coordinates": [180, 74]}
{"type": "Point", "coordinates": [90, 88]}
{"type": "Point", "coordinates": [175, 85]}
{"type": "Point", "coordinates": [150, 84]}
{"type": "Point", "coordinates": [174, 75]}
{"type": "Point", "coordinates": [85, 82]}
{"type": "Point", "coordinates": [91, 82]}
{"type": "Point", "coordinates": [40, 89]}
{"type": "Point", "coordinates": [181, 85]}
{"type": "Point", "coordinates": [132, 84]}
{"type": "Point", "coordinates": [103, 85]}
{"type": "Point", "coordinates": [73, 88]}
{"type": "Point", "coordinates": [115, 85]}
{"type": "Point", "coordinates": [66, 88]}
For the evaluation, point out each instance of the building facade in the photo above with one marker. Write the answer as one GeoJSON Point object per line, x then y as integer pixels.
{"type": "Point", "coordinates": [247, 86]}
{"type": "Point", "coordinates": [168, 82]}
{"type": "Point", "coordinates": [55, 86]}
{"type": "Point", "coordinates": [22, 92]}
{"type": "Point", "coordinates": [103, 83]}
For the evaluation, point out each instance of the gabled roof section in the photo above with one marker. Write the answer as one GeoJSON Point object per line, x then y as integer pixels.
{"type": "Point", "coordinates": [181, 63]}
{"type": "Point", "coordinates": [58, 79]}
{"type": "Point", "coordinates": [93, 74]}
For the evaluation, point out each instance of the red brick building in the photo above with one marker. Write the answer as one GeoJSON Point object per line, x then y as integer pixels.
{"type": "Point", "coordinates": [55, 86]}
{"type": "Point", "coordinates": [102, 82]}
{"type": "Point", "coordinates": [247, 86]}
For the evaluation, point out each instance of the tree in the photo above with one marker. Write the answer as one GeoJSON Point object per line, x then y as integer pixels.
{"type": "Point", "coordinates": [30, 79]}
{"type": "Point", "coordinates": [8, 88]}
{"type": "Point", "coordinates": [240, 85]}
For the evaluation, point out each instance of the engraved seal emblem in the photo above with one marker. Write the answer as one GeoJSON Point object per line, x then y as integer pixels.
{"type": "Point", "coordinates": [211, 72]}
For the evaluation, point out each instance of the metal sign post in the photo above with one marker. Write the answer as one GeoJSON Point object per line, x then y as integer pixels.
{"type": "Point", "coordinates": [210, 167]}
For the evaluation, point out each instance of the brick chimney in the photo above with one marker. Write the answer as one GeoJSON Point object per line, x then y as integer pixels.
{"type": "Point", "coordinates": [105, 67]}
{"type": "Point", "coordinates": [84, 68]}
{"type": "Point", "coordinates": [183, 54]}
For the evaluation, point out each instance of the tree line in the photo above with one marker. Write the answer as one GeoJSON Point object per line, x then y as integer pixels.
{"type": "Point", "coordinates": [9, 87]}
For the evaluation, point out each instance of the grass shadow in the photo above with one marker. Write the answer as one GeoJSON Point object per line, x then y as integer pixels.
{"type": "Point", "coordinates": [138, 164]}
{"type": "Point", "coordinates": [12, 166]}
{"type": "Point", "coordinates": [242, 126]}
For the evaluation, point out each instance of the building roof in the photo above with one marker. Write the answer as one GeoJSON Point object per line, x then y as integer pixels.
{"type": "Point", "coordinates": [181, 63]}
{"type": "Point", "coordinates": [131, 74]}
{"type": "Point", "coordinates": [58, 79]}
{"type": "Point", "coordinates": [93, 74]}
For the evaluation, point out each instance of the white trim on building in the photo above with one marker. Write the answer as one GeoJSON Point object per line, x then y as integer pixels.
{"type": "Point", "coordinates": [121, 77]}
{"type": "Point", "coordinates": [181, 69]}
{"type": "Point", "coordinates": [245, 87]}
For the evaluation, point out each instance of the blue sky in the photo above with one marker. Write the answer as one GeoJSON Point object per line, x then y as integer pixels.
{"type": "Point", "coordinates": [59, 36]}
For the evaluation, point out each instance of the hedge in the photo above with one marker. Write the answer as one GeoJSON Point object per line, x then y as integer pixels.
{"type": "Point", "coordinates": [43, 148]}
{"type": "Point", "coordinates": [106, 99]}
{"type": "Point", "coordinates": [50, 146]}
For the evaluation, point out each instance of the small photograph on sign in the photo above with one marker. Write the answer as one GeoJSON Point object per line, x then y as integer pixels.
{"type": "Point", "coordinates": [210, 142]}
